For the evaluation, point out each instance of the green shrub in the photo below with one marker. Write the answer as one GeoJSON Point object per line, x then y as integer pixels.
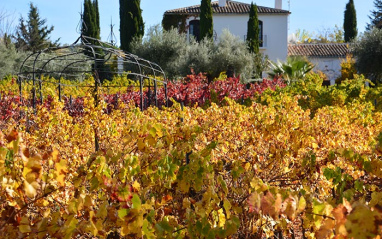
{"type": "Point", "coordinates": [177, 56]}
{"type": "Point", "coordinates": [231, 53]}
{"type": "Point", "coordinates": [348, 70]}
{"type": "Point", "coordinates": [293, 69]}
{"type": "Point", "coordinates": [313, 96]}
{"type": "Point", "coordinates": [374, 95]}
{"type": "Point", "coordinates": [197, 56]}
{"type": "Point", "coordinates": [162, 47]}
{"type": "Point", "coordinates": [10, 60]}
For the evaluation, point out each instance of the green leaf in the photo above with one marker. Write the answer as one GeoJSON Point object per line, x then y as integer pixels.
{"type": "Point", "coordinates": [367, 166]}
{"type": "Point", "coordinates": [199, 226]}
{"type": "Point", "coordinates": [123, 212]}
{"type": "Point", "coordinates": [223, 184]}
{"type": "Point", "coordinates": [206, 229]}
{"type": "Point", "coordinates": [318, 208]}
{"type": "Point", "coordinates": [358, 185]}
{"type": "Point", "coordinates": [25, 228]}
{"type": "Point", "coordinates": [136, 202]}
{"type": "Point", "coordinates": [70, 226]}
{"type": "Point", "coordinates": [349, 194]}
{"type": "Point", "coordinates": [94, 183]}
{"type": "Point", "coordinates": [328, 173]}
{"type": "Point", "coordinates": [163, 226]}
{"type": "Point", "coordinates": [207, 151]}
{"type": "Point", "coordinates": [376, 199]}
{"type": "Point", "coordinates": [146, 231]}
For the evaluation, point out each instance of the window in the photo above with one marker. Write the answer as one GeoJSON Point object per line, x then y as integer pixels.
{"type": "Point", "coordinates": [194, 29]}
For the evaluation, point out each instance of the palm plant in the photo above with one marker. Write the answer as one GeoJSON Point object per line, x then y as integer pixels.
{"type": "Point", "coordinates": [295, 68]}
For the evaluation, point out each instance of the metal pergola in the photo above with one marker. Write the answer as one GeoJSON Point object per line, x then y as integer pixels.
{"type": "Point", "coordinates": [89, 56]}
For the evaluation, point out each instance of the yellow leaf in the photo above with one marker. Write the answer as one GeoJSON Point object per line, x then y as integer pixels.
{"type": "Point", "coordinates": [362, 221]}
{"type": "Point", "coordinates": [46, 212]}
{"type": "Point", "coordinates": [134, 222]}
{"type": "Point", "coordinates": [102, 211]}
{"type": "Point", "coordinates": [70, 226]}
{"type": "Point", "coordinates": [141, 144]}
{"type": "Point", "coordinates": [184, 186]}
{"type": "Point", "coordinates": [247, 166]}
{"type": "Point", "coordinates": [45, 203]}
{"type": "Point", "coordinates": [326, 229]}
{"type": "Point", "coordinates": [186, 203]}
{"type": "Point", "coordinates": [136, 186]}
{"type": "Point", "coordinates": [151, 140]}
{"type": "Point", "coordinates": [25, 228]}
{"type": "Point", "coordinates": [73, 206]}
{"type": "Point", "coordinates": [34, 163]}
{"type": "Point", "coordinates": [61, 170]}
{"type": "Point", "coordinates": [88, 201]}
{"type": "Point", "coordinates": [30, 191]}
{"type": "Point", "coordinates": [227, 207]}
{"type": "Point", "coordinates": [93, 228]}
{"type": "Point", "coordinates": [24, 225]}
{"type": "Point", "coordinates": [221, 217]}
{"type": "Point", "coordinates": [301, 205]}
{"type": "Point", "coordinates": [158, 130]}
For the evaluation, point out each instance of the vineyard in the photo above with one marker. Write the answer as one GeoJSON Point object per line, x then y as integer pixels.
{"type": "Point", "coordinates": [237, 161]}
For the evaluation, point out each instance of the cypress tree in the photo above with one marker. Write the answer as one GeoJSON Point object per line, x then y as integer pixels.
{"type": "Point", "coordinates": [350, 22]}
{"type": "Point", "coordinates": [97, 22]}
{"type": "Point", "coordinates": [253, 30]}
{"type": "Point", "coordinates": [206, 22]}
{"type": "Point", "coordinates": [86, 16]}
{"type": "Point", "coordinates": [91, 23]}
{"type": "Point", "coordinates": [131, 22]}
{"type": "Point", "coordinates": [376, 16]}
{"type": "Point", "coordinates": [91, 28]}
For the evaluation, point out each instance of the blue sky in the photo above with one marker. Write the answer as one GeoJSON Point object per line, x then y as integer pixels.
{"type": "Point", "coordinates": [312, 15]}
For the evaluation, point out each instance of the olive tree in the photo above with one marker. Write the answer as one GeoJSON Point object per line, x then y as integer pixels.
{"type": "Point", "coordinates": [367, 51]}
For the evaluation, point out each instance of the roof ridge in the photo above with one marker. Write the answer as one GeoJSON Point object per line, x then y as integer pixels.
{"type": "Point", "coordinates": [231, 7]}
{"type": "Point", "coordinates": [323, 43]}
{"type": "Point", "coordinates": [330, 49]}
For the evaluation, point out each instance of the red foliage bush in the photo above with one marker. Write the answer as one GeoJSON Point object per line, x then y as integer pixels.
{"type": "Point", "coordinates": [194, 89]}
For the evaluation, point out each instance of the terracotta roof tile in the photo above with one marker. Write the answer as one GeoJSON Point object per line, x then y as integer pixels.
{"type": "Point", "coordinates": [231, 7]}
{"type": "Point", "coordinates": [319, 50]}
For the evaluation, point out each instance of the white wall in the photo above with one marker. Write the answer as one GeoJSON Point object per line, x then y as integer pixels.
{"type": "Point", "coordinates": [275, 31]}
{"type": "Point", "coordinates": [331, 66]}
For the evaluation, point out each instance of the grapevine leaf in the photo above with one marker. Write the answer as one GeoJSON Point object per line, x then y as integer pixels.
{"type": "Point", "coordinates": [136, 202]}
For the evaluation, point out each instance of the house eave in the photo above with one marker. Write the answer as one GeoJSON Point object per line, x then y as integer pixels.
{"type": "Point", "coordinates": [320, 56]}
{"type": "Point", "coordinates": [224, 13]}
{"type": "Point", "coordinates": [231, 7]}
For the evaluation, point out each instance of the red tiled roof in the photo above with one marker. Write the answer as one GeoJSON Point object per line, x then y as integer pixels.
{"type": "Point", "coordinates": [319, 50]}
{"type": "Point", "coordinates": [231, 7]}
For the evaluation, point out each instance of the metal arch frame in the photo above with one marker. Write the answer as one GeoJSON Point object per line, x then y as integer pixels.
{"type": "Point", "coordinates": [30, 72]}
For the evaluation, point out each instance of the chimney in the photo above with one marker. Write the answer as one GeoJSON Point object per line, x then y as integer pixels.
{"type": "Point", "coordinates": [278, 4]}
{"type": "Point", "coordinates": [222, 3]}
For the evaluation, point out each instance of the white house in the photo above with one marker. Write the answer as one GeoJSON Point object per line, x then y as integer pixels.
{"type": "Point", "coordinates": [326, 56]}
{"type": "Point", "coordinates": [234, 16]}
